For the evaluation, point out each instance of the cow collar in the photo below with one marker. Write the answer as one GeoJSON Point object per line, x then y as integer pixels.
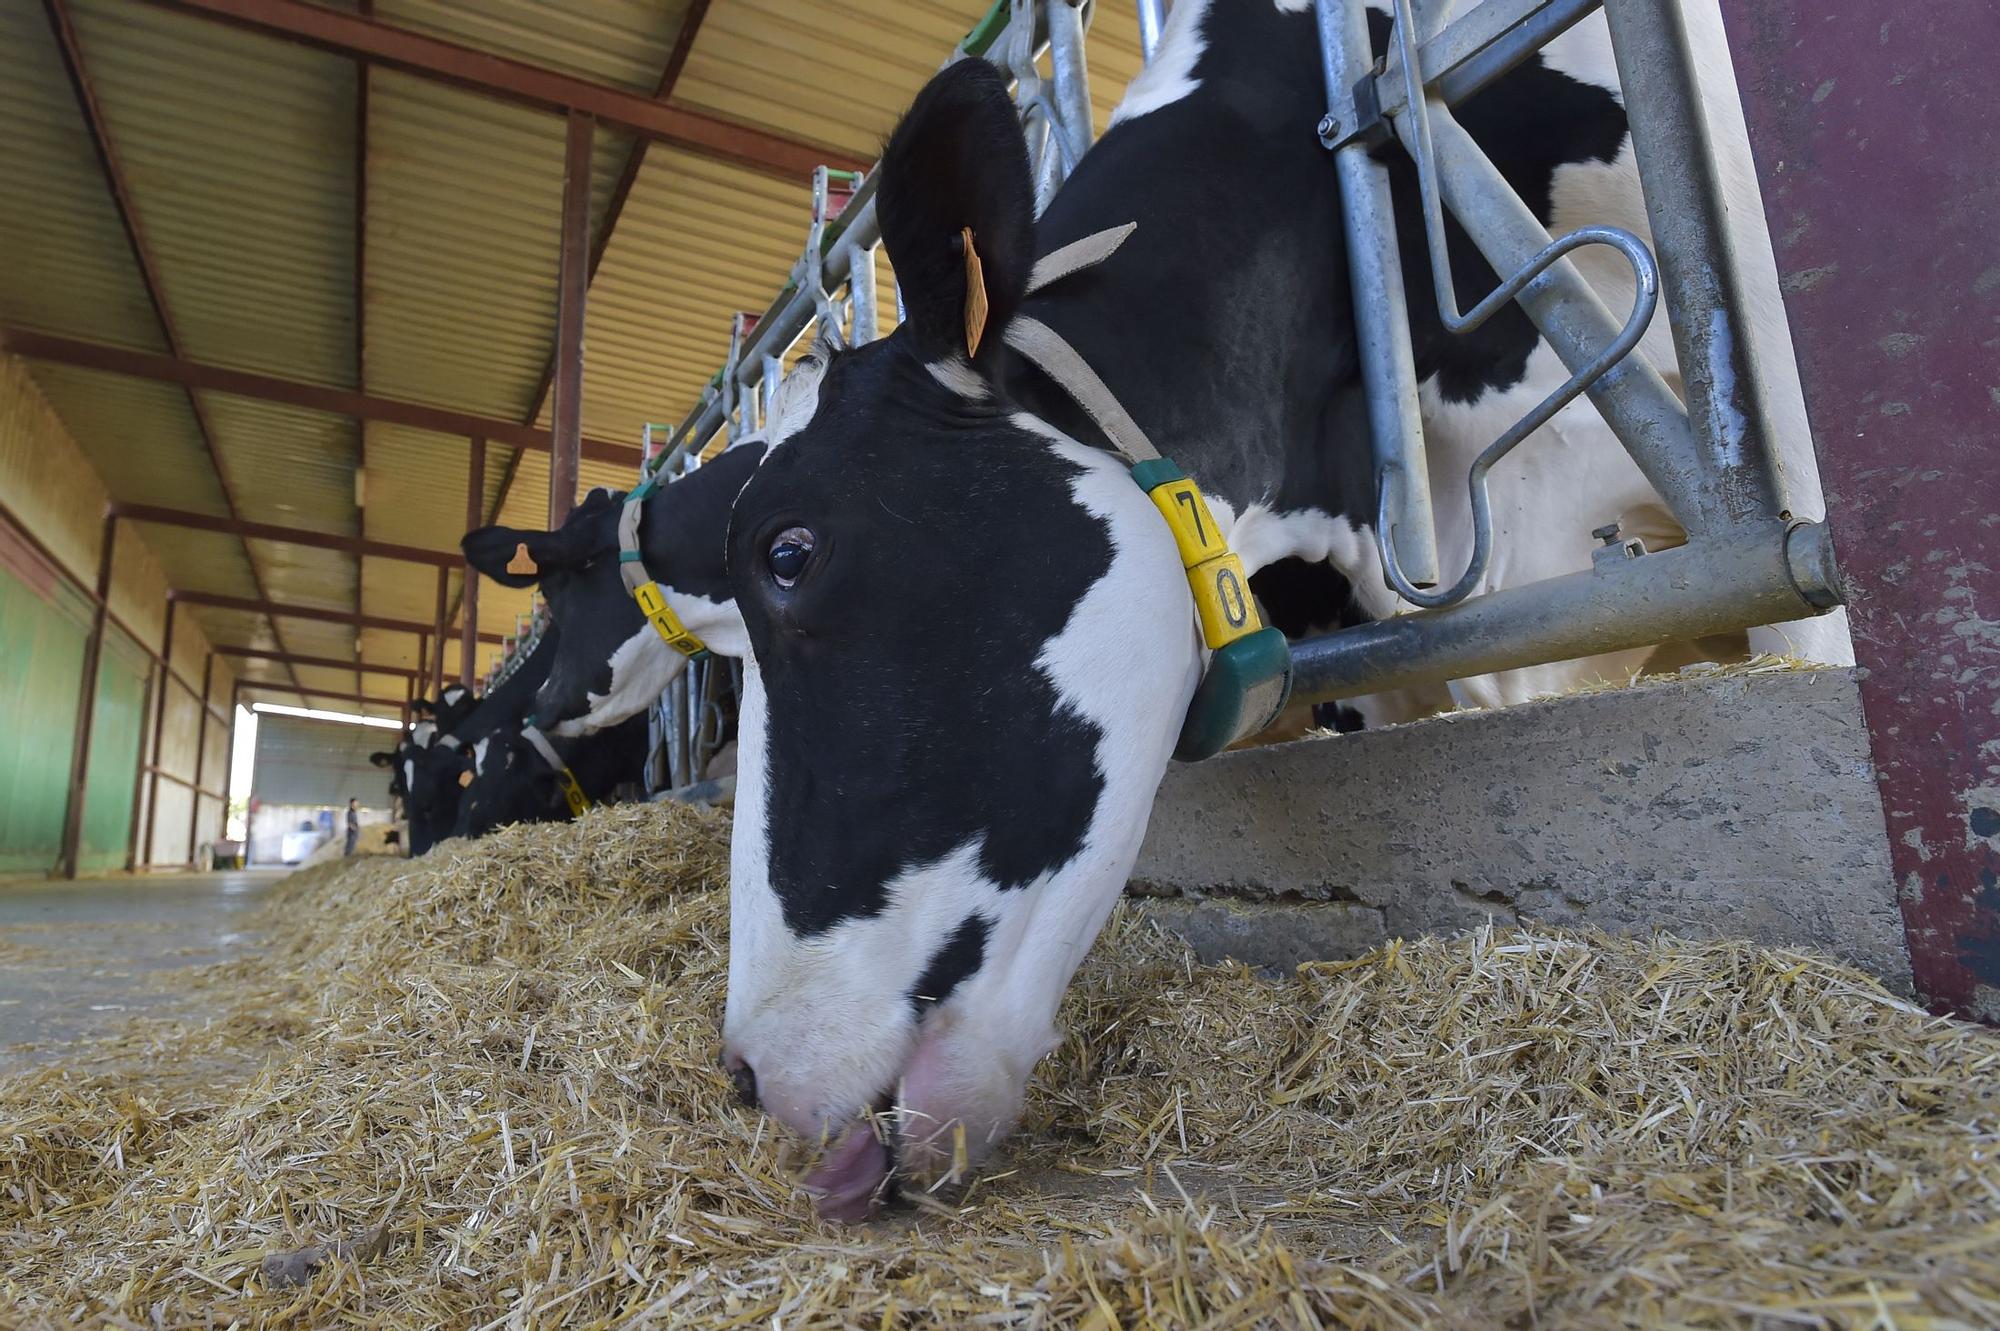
{"type": "Point", "coordinates": [572, 792]}
{"type": "Point", "coordinates": [1249, 674]}
{"type": "Point", "coordinates": [632, 568]}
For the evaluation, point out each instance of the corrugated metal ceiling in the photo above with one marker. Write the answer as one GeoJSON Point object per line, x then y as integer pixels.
{"type": "Point", "coordinates": [239, 151]}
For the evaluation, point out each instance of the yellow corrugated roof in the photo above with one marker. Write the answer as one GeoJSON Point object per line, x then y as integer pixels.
{"type": "Point", "coordinates": [239, 151]}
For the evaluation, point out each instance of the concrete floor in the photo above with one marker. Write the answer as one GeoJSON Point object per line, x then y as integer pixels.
{"type": "Point", "coordinates": [80, 958]}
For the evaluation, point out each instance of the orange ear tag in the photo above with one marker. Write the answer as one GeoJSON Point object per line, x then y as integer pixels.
{"type": "Point", "coordinates": [464, 779]}
{"type": "Point", "coordinates": [522, 562]}
{"type": "Point", "coordinates": [975, 294]}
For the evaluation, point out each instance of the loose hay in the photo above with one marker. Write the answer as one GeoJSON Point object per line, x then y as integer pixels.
{"type": "Point", "coordinates": [487, 1098]}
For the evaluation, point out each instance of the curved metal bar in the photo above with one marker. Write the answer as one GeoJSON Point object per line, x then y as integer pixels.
{"type": "Point", "coordinates": [1646, 280]}
{"type": "Point", "coordinates": [1646, 299]}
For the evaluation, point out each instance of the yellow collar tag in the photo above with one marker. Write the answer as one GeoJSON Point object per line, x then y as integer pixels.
{"type": "Point", "coordinates": [1214, 573]}
{"type": "Point", "coordinates": [653, 605]}
{"type": "Point", "coordinates": [573, 794]}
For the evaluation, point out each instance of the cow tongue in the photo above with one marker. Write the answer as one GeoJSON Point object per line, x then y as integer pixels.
{"type": "Point", "coordinates": [850, 1175]}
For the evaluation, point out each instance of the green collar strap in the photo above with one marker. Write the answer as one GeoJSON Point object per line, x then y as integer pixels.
{"type": "Point", "coordinates": [1249, 674]}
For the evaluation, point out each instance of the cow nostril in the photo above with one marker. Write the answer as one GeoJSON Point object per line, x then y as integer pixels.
{"type": "Point", "coordinates": [746, 1084]}
{"type": "Point", "coordinates": [745, 1078]}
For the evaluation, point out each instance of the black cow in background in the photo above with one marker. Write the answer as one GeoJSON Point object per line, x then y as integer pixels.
{"type": "Point", "coordinates": [435, 772]}
{"type": "Point", "coordinates": [513, 783]}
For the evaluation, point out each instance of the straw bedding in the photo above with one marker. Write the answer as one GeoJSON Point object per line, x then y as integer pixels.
{"type": "Point", "coordinates": [478, 1090]}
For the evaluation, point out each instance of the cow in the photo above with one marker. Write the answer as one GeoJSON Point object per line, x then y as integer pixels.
{"type": "Point", "coordinates": [437, 766]}
{"type": "Point", "coordinates": [513, 781]}
{"type": "Point", "coordinates": [612, 664]}
{"type": "Point", "coordinates": [971, 637]}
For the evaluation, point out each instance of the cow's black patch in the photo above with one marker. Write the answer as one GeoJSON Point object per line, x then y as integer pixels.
{"type": "Point", "coordinates": [434, 796]}
{"type": "Point", "coordinates": [681, 534]}
{"type": "Point", "coordinates": [962, 954]}
{"type": "Point", "coordinates": [906, 716]}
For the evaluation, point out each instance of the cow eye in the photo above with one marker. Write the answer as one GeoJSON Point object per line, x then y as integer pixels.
{"type": "Point", "coordinates": [790, 552]}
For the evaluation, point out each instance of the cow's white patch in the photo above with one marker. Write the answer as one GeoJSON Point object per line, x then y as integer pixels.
{"type": "Point", "coordinates": [1169, 75]}
{"type": "Point", "coordinates": [1127, 659]}
{"type": "Point", "coordinates": [643, 666]}
{"type": "Point", "coordinates": [479, 755]}
{"type": "Point", "coordinates": [958, 376]}
{"type": "Point", "coordinates": [410, 774]}
{"type": "Point", "coordinates": [452, 693]}
{"type": "Point", "coordinates": [423, 733]}
{"type": "Point", "coordinates": [796, 400]}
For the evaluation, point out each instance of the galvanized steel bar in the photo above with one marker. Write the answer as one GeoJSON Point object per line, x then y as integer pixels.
{"type": "Point", "coordinates": [1759, 574]}
{"type": "Point", "coordinates": [861, 299]}
{"type": "Point", "coordinates": [1633, 398]}
{"type": "Point", "coordinates": [1152, 17]}
{"type": "Point", "coordinates": [1485, 41]}
{"type": "Point", "coordinates": [1740, 475]}
{"type": "Point", "coordinates": [1069, 79]}
{"type": "Point", "coordinates": [1382, 325]}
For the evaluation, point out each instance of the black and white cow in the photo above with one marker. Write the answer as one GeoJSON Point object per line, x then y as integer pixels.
{"type": "Point", "coordinates": [971, 637]}
{"type": "Point", "coordinates": [436, 766]}
{"type": "Point", "coordinates": [612, 664]}
{"type": "Point", "coordinates": [513, 783]}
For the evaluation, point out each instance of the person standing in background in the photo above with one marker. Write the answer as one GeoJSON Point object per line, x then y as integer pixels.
{"type": "Point", "coordinates": [353, 826]}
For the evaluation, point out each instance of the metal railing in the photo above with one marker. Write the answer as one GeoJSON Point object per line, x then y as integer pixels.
{"type": "Point", "coordinates": [1748, 561]}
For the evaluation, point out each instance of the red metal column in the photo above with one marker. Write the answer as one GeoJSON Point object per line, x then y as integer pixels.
{"type": "Point", "coordinates": [566, 415]}
{"type": "Point", "coordinates": [1876, 143]}
{"type": "Point", "coordinates": [468, 600]}
{"type": "Point", "coordinates": [437, 638]}
{"type": "Point", "coordinates": [86, 708]}
{"type": "Point", "coordinates": [159, 725]}
{"type": "Point", "coordinates": [200, 755]}
{"type": "Point", "coordinates": [229, 767]}
{"type": "Point", "coordinates": [156, 684]}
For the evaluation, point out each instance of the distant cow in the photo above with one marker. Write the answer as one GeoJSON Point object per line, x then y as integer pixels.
{"type": "Point", "coordinates": [438, 764]}
{"type": "Point", "coordinates": [612, 664]}
{"type": "Point", "coordinates": [513, 782]}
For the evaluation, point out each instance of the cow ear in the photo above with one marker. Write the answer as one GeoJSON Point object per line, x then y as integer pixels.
{"type": "Point", "coordinates": [516, 558]}
{"type": "Point", "coordinates": [957, 211]}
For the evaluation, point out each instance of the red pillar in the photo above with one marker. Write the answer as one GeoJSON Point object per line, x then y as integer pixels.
{"type": "Point", "coordinates": [437, 638]}
{"type": "Point", "coordinates": [200, 754]}
{"type": "Point", "coordinates": [86, 709]}
{"type": "Point", "coordinates": [566, 414]}
{"type": "Point", "coordinates": [1876, 143]}
{"type": "Point", "coordinates": [468, 600]}
{"type": "Point", "coordinates": [159, 725]}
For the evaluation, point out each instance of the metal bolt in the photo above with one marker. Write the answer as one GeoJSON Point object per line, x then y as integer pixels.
{"type": "Point", "coordinates": [1608, 533]}
{"type": "Point", "coordinates": [1329, 129]}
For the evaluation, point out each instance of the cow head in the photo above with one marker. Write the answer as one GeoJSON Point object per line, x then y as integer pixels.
{"type": "Point", "coordinates": [431, 775]}
{"type": "Point", "coordinates": [972, 644]}
{"type": "Point", "coordinates": [510, 784]}
{"type": "Point", "coordinates": [612, 664]}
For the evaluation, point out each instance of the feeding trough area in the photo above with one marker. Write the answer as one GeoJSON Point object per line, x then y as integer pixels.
{"type": "Point", "coordinates": [481, 1087]}
{"type": "Point", "coordinates": [1110, 664]}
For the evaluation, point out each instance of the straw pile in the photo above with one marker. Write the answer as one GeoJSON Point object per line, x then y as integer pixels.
{"type": "Point", "coordinates": [478, 1090]}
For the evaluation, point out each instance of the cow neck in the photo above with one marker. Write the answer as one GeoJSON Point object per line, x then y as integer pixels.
{"type": "Point", "coordinates": [641, 585]}
{"type": "Point", "coordinates": [1248, 678]}
{"type": "Point", "coordinates": [572, 790]}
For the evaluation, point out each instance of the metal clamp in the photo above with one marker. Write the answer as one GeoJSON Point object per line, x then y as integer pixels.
{"type": "Point", "coordinates": [1646, 278]}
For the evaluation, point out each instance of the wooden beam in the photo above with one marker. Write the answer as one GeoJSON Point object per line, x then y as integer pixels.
{"type": "Point", "coordinates": [437, 633]}
{"type": "Point", "coordinates": [159, 726]}
{"type": "Point", "coordinates": [265, 531]}
{"type": "Point", "coordinates": [200, 755]}
{"type": "Point", "coordinates": [468, 598]}
{"type": "Point", "coordinates": [292, 392]}
{"type": "Point", "coordinates": [86, 708]}
{"type": "Point", "coordinates": [385, 623]}
{"type": "Point", "coordinates": [293, 658]}
{"type": "Point", "coordinates": [614, 209]}
{"type": "Point", "coordinates": [516, 81]}
{"type": "Point", "coordinates": [566, 417]}
{"type": "Point", "coordinates": [367, 699]}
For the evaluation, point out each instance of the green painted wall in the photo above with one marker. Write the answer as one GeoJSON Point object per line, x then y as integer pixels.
{"type": "Point", "coordinates": [114, 756]}
{"type": "Point", "coordinates": [41, 660]}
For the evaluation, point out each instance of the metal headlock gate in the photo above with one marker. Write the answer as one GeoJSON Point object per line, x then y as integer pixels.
{"type": "Point", "coordinates": [1747, 561]}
